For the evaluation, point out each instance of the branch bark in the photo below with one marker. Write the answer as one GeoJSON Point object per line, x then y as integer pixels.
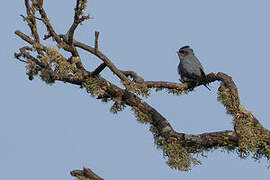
{"type": "Point", "coordinates": [85, 174]}
{"type": "Point", "coordinates": [248, 135]}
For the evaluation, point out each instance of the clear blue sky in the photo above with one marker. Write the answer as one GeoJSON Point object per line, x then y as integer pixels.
{"type": "Point", "coordinates": [46, 131]}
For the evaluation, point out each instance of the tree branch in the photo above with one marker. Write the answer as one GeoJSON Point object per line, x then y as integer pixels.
{"type": "Point", "coordinates": [134, 76]}
{"type": "Point", "coordinates": [57, 38]}
{"type": "Point", "coordinates": [248, 136]}
{"type": "Point", "coordinates": [96, 40]}
{"type": "Point", "coordinates": [85, 174]}
{"type": "Point", "coordinates": [24, 37]}
{"type": "Point", "coordinates": [102, 57]}
{"type": "Point", "coordinates": [98, 70]}
{"type": "Point", "coordinates": [77, 20]}
{"type": "Point", "coordinates": [31, 20]}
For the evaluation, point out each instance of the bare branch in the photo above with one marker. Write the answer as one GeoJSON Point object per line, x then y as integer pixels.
{"type": "Point", "coordinates": [23, 53]}
{"type": "Point", "coordinates": [47, 36]}
{"type": "Point", "coordinates": [49, 27]}
{"type": "Point", "coordinates": [98, 69]}
{"type": "Point", "coordinates": [177, 86]}
{"type": "Point", "coordinates": [102, 57]}
{"type": "Point", "coordinates": [96, 40]}
{"type": "Point", "coordinates": [24, 37]}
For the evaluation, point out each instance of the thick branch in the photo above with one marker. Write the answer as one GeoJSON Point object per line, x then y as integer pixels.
{"type": "Point", "coordinates": [158, 120]}
{"type": "Point", "coordinates": [248, 135]}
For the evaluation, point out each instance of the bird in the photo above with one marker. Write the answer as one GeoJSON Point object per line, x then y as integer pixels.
{"type": "Point", "coordinates": [190, 68]}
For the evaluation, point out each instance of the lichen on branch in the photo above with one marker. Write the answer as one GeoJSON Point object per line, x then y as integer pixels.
{"type": "Point", "coordinates": [248, 135]}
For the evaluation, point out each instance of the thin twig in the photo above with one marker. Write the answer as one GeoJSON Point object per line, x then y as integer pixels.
{"type": "Point", "coordinates": [31, 21]}
{"type": "Point", "coordinates": [102, 57]}
{"type": "Point", "coordinates": [24, 37]}
{"type": "Point", "coordinates": [96, 40]}
{"type": "Point", "coordinates": [98, 69]}
{"type": "Point", "coordinates": [76, 21]}
{"type": "Point", "coordinates": [47, 36]}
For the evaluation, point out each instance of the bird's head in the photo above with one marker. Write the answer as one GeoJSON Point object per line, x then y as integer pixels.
{"type": "Point", "coordinates": [184, 51]}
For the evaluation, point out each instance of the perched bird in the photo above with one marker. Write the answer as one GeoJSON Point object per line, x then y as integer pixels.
{"type": "Point", "coordinates": [190, 68]}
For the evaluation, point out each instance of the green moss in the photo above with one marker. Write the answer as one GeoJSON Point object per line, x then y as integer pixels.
{"type": "Point", "coordinates": [166, 129]}
{"type": "Point", "coordinates": [46, 76]}
{"type": "Point", "coordinates": [158, 89]}
{"type": "Point", "coordinates": [136, 88]}
{"type": "Point", "coordinates": [31, 69]}
{"type": "Point", "coordinates": [140, 116]}
{"type": "Point", "coordinates": [93, 87]}
{"type": "Point", "coordinates": [179, 91]}
{"type": "Point", "coordinates": [178, 157]}
{"type": "Point", "coordinates": [59, 63]}
{"type": "Point", "coordinates": [175, 91]}
{"type": "Point", "coordinates": [82, 7]}
{"type": "Point", "coordinates": [252, 137]}
{"type": "Point", "coordinates": [118, 105]}
{"type": "Point", "coordinates": [229, 99]}
{"type": "Point", "coordinates": [55, 65]}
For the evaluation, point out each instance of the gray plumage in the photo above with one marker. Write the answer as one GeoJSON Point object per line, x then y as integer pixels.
{"type": "Point", "coordinates": [190, 68]}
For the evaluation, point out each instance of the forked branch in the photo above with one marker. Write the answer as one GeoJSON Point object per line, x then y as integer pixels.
{"type": "Point", "coordinates": [248, 135]}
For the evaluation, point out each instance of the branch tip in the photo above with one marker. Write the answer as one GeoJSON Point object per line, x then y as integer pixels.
{"type": "Point", "coordinates": [96, 40]}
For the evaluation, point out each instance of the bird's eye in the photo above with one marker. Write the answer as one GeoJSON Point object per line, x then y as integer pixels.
{"type": "Point", "coordinates": [181, 51]}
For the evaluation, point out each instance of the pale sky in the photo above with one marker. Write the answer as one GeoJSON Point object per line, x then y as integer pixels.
{"type": "Point", "coordinates": [48, 130]}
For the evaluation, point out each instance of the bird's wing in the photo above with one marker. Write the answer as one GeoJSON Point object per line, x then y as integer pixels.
{"type": "Point", "coordinates": [194, 77]}
{"type": "Point", "coordinates": [180, 69]}
{"type": "Point", "coordinates": [203, 75]}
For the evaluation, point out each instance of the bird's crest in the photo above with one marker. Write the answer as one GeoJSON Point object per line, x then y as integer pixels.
{"type": "Point", "coordinates": [184, 47]}
{"type": "Point", "coordinates": [184, 51]}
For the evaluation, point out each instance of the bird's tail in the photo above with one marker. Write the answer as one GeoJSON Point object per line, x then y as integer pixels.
{"type": "Point", "coordinates": [204, 80]}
